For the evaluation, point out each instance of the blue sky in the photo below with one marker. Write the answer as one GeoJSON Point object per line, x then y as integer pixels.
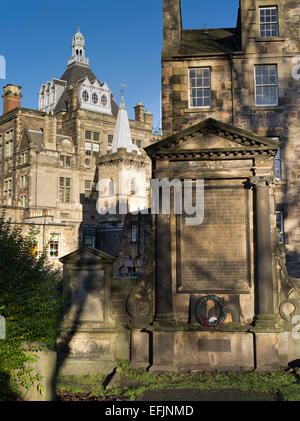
{"type": "Point", "coordinates": [123, 40]}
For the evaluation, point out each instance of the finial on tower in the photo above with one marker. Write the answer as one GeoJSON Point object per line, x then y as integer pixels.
{"type": "Point", "coordinates": [123, 86]}
{"type": "Point", "coordinates": [78, 28]}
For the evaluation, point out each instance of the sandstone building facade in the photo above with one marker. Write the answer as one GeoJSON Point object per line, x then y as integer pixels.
{"type": "Point", "coordinates": [247, 77]}
{"type": "Point", "coordinates": [48, 157]}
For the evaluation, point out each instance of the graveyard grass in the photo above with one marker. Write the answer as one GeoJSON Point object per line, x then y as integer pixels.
{"type": "Point", "coordinates": [128, 384]}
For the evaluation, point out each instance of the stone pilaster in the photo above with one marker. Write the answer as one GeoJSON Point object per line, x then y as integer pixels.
{"type": "Point", "coordinates": [163, 274]}
{"type": "Point", "coordinates": [265, 306]}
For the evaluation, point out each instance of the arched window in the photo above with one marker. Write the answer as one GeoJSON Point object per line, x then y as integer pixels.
{"type": "Point", "coordinates": [76, 52]}
{"type": "Point", "coordinates": [132, 187]}
{"type": "Point", "coordinates": [111, 187]}
{"type": "Point", "coordinates": [80, 53]}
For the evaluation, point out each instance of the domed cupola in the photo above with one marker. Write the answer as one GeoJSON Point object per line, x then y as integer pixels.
{"type": "Point", "coordinates": [78, 49]}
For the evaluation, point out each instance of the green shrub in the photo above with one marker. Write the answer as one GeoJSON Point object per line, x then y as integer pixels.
{"type": "Point", "coordinates": [30, 302]}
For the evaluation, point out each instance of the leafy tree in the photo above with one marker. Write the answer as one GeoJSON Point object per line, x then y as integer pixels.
{"type": "Point", "coordinates": [30, 302]}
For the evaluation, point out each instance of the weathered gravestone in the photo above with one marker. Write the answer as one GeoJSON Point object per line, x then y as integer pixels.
{"type": "Point", "coordinates": [230, 256]}
{"type": "Point", "coordinates": [93, 340]}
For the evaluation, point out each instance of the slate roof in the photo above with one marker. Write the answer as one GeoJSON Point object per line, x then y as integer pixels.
{"type": "Point", "coordinates": [205, 41]}
{"type": "Point", "coordinates": [73, 74]}
{"type": "Point", "coordinates": [77, 72]}
{"type": "Point", "coordinates": [36, 138]}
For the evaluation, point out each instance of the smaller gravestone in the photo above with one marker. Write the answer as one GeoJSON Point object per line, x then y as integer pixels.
{"type": "Point", "coordinates": [92, 341]}
{"type": "Point", "coordinates": [87, 278]}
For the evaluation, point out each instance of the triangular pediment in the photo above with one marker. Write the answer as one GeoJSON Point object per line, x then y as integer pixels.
{"type": "Point", "coordinates": [24, 144]}
{"type": "Point", "coordinates": [87, 255]}
{"type": "Point", "coordinates": [213, 136]}
{"type": "Point", "coordinates": [205, 141]}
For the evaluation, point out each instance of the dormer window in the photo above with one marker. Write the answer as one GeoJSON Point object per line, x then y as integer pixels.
{"type": "Point", "coordinates": [268, 20]}
{"type": "Point", "coordinates": [95, 98]}
{"type": "Point", "coordinates": [85, 96]}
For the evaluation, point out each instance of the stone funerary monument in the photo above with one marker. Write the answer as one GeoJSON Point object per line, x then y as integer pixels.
{"type": "Point", "coordinates": [232, 257]}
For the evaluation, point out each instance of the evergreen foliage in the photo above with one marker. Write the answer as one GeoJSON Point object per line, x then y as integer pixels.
{"type": "Point", "coordinates": [30, 303]}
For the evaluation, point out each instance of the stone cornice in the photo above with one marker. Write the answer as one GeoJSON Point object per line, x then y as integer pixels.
{"type": "Point", "coordinates": [122, 162]}
{"type": "Point", "coordinates": [214, 154]}
{"type": "Point", "coordinates": [122, 156]}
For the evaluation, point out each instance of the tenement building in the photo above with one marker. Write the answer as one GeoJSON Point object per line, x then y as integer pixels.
{"type": "Point", "coordinates": [48, 158]}
{"type": "Point", "coordinates": [248, 77]}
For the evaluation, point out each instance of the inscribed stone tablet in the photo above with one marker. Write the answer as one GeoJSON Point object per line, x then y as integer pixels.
{"type": "Point", "coordinates": [213, 256]}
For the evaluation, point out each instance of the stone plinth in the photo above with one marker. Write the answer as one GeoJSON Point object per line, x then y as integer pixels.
{"type": "Point", "coordinates": [182, 351]}
{"type": "Point", "coordinates": [139, 349]}
{"type": "Point", "coordinates": [92, 352]}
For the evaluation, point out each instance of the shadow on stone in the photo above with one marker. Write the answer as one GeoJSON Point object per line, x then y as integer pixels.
{"type": "Point", "coordinates": [109, 378]}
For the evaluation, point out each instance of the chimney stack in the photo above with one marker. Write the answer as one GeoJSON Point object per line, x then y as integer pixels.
{"type": "Point", "coordinates": [139, 112]}
{"type": "Point", "coordinates": [148, 118]}
{"type": "Point", "coordinates": [11, 98]}
{"type": "Point", "coordinates": [172, 23]}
